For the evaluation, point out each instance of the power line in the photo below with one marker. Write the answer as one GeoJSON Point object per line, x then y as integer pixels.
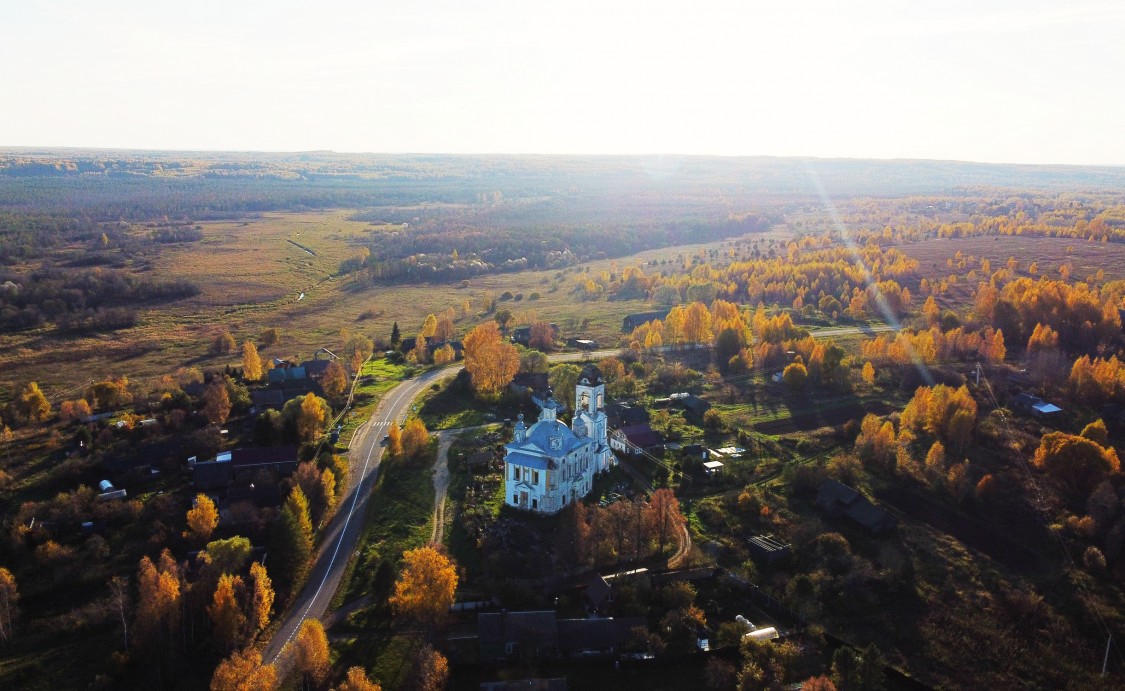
{"type": "Point", "coordinates": [1025, 466]}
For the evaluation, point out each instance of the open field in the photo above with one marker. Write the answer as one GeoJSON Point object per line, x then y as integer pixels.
{"type": "Point", "coordinates": [251, 275]}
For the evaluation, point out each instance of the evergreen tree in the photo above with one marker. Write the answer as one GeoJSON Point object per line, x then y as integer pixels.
{"type": "Point", "coordinates": [396, 335]}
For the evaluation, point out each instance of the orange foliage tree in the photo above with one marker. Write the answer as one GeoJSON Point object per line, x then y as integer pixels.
{"type": "Point", "coordinates": [425, 588]}
{"type": "Point", "coordinates": [244, 671]}
{"type": "Point", "coordinates": [491, 362]}
{"type": "Point", "coordinates": [1076, 463]}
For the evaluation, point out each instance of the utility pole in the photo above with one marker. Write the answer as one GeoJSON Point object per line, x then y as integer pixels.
{"type": "Point", "coordinates": [1105, 662]}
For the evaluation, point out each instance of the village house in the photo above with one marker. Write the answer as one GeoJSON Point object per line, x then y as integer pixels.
{"type": "Point", "coordinates": [548, 466]}
{"type": "Point", "coordinates": [838, 499]}
{"type": "Point", "coordinates": [634, 439]}
{"type": "Point", "coordinates": [244, 465]}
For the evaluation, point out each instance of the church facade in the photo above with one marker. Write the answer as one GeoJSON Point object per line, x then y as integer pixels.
{"type": "Point", "coordinates": [549, 466]}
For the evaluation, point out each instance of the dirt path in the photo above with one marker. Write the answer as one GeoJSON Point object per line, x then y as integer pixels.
{"type": "Point", "coordinates": [446, 437]}
{"type": "Point", "coordinates": [441, 482]}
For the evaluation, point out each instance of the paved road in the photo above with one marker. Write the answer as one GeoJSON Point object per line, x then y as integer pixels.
{"type": "Point", "coordinates": [340, 537]}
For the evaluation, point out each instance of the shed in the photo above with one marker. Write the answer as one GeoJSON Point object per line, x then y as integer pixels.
{"type": "Point", "coordinates": [713, 468]}
{"type": "Point", "coordinates": [697, 451]}
{"type": "Point", "coordinates": [837, 498]}
{"type": "Point", "coordinates": [632, 321]}
{"type": "Point", "coordinates": [767, 550]}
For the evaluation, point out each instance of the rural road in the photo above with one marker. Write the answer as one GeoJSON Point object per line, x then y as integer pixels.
{"type": "Point", "coordinates": [342, 533]}
{"type": "Point", "coordinates": [340, 537]}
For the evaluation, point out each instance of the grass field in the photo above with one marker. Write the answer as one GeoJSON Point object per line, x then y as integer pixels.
{"type": "Point", "coordinates": [251, 274]}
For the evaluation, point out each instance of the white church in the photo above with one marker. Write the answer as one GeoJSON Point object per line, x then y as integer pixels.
{"type": "Point", "coordinates": [549, 466]}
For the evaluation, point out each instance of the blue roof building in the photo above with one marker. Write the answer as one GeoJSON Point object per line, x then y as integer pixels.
{"type": "Point", "coordinates": [549, 465]}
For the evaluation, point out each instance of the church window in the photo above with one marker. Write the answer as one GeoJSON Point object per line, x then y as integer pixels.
{"type": "Point", "coordinates": [601, 401]}
{"type": "Point", "coordinates": [535, 503]}
{"type": "Point", "coordinates": [556, 443]}
{"type": "Point", "coordinates": [535, 477]}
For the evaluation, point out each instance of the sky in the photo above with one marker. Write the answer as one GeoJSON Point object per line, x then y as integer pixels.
{"type": "Point", "coordinates": [1012, 81]}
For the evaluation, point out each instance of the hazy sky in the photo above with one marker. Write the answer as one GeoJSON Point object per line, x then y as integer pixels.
{"type": "Point", "coordinates": [983, 80]}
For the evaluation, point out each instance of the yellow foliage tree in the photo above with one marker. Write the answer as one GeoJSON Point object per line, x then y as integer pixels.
{"type": "Point", "coordinates": [868, 373]}
{"type": "Point", "coordinates": [244, 671]}
{"type": "Point", "coordinates": [415, 438]}
{"type": "Point", "coordinates": [251, 362]}
{"type": "Point", "coordinates": [158, 596]}
{"type": "Point", "coordinates": [444, 355]}
{"type": "Point", "coordinates": [394, 440]}
{"type": "Point", "coordinates": [261, 597]}
{"type": "Point", "coordinates": [202, 519]}
{"type": "Point", "coordinates": [31, 405]}
{"type": "Point", "coordinates": [490, 361]}
{"type": "Point", "coordinates": [312, 417]}
{"type": "Point", "coordinates": [356, 680]}
{"type": "Point", "coordinates": [226, 615]}
{"type": "Point", "coordinates": [429, 327]}
{"type": "Point", "coordinates": [312, 651]}
{"type": "Point", "coordinates": [425, 588]}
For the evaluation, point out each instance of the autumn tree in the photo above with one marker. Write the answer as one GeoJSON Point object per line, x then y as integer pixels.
{"type": "Point", "coordinates": [935, 459]}
{"type": "Point", "coordinates": [444, 355]}
{"type": "Point", "coordinates": [159, 593]}
{"type": "Point", "coordinates": [226, 614]}
{"type": "Point", "coordinates": [356, 680]}
{"type": "Point", "coordinates": [216, 402]}
{"type": "Point", "coordinates": [312, 651]}
{"type": "Point", "coordinates": [425, 587]}
{"type": "Point", "coordinates": [394, 440]}
{"type": "Point", "coordinates": [251, 362]}
{"type": "Point", "coordinates": [335, 381]}
{"type": "Point", "coordinates": [202, 519]}
{"type": "Point", "coordinates": [868, 373]}
{"type": "Point", "coordinates": [9, 605]}
{"type": "Point", "coordinates": [261, 598]}
{"type": "Point", "coordinates": [491, 362]}
{"type": "Point", "coordinates": [415, 438]}
{"type": "Point", "coordinates": [697, 324]}
{"type": "Point", "coordinates": [74, 411]}
{"type": "Point", "coordinates": [1075, 463]}
{"type": "Point", "coordinates": [312, 417]}
{"type": "Point", "coordinates": [225, 556]}
{"type": "Point", "coordinates": [223, 343]}
{"type": "Point", "coordinates": [270, 337]}
{"type": "Point", "coordinates": [795, 375]}
{"type": "Point", "coordinates": [431, 670]}
{"type": "Point", "coordinates": [357, 348]}
{"type": "Point", "coordinates": [429, 327]}
{"type": "Point", "coordinates": [663, 517]}
{"type": "Point", "coordinates": [821, 683]}
{"type": "Point", "coordinates": [444, 330]}
{"type": "Point", "coordinates": [244, 671]}
{"type": "Point", "coordinates": [30, 405]}
{"type": "Point", "coordinates": [542, 336]}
